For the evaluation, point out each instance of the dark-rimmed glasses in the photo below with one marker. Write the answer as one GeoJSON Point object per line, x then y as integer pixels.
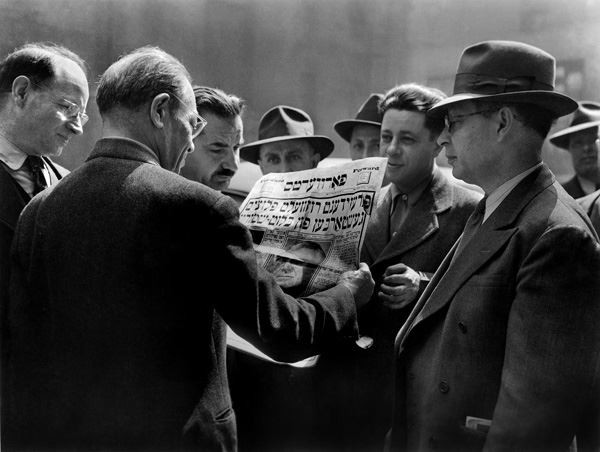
{"type": "Point", "coordinates": [450, 123]}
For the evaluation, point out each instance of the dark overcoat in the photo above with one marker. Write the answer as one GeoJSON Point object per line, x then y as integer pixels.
{"type": "Point", "coordinates": [121, 275]}
{"type": "Point", "coordinates": [508, 333]}
{"type": "Point", "coordinates": [363, 378]}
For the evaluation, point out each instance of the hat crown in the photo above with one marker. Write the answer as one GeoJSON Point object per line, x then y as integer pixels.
{"type": "Point", "coordinates": [369, 110]}
{"type": "Point", "coordinates": [284, 121]}
{"type": "Point", "coordinates": [587, 112]}
{"type": "Point", "coordinates": [495, 67]}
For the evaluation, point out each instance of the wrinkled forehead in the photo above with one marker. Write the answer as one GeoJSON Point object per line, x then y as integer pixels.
{"type": "Point", "coordinates": [287, 147]}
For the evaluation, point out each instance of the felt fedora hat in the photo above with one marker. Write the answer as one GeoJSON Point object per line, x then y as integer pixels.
{"type": "Point", "coordinates": [506, 71]}
{"type": "Point", "coordinates": [585, 117]}
{"type": "Point", "coordinates": [368, 113]}
{"type": "Point", "coordinates": [284, 123]}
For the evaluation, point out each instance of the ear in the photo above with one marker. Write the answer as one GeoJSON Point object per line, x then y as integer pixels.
{"type": "Point", "coordinates": [506, 120]}
{"type": "Point", "coordinates": [159, 108]}
{"type": "Point", "coordinates": [21, 87]}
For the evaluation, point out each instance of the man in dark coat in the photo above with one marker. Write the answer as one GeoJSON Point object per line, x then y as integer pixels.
{"type": "Point", "coordinates": [403, 246]}
{"type": "Point", "coordinates": [121, 276]}
{"type": "Point", "coordinates": [502, 350]}
{"type": "Point", "coordinates": [43, 95]}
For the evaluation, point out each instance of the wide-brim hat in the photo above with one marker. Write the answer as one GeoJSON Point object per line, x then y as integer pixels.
{"type": "Point", "coordinates": [506, 71]}
{"type": "Point", "coordinates": [368, 114]}
{"type": "Point", "coordinates": [585, 117]}
{"type": "Point", "coordinates": [284, 123]}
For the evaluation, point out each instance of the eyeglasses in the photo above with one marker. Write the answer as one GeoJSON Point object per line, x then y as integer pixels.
{"type": "Point", "coordinates": [71, 111]}
{"type": "Point", "coordinates": [450, 123]}
{"type": "Point", "coordinates": [67, 109]}
{"type": "Point", "coordinates": [199, 123]}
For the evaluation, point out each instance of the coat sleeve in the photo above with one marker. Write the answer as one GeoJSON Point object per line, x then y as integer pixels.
{"type": "Point", "coordinates": [256, 308]}
{"type": "Point", "coordinates": [552, 352]}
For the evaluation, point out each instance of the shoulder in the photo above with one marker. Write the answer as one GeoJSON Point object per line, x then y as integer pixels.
{"type": "Point", "coordinates": [590, 202]}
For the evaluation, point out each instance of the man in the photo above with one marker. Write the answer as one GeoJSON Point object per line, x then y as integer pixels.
{"type": "Point", "coordinates": [43, 95]}
{"type": "Point", "coordinates": [118, 275]}
{"type": "Point", "coordinates": [502, 350]}
{"type": "Point", "coordinates": [286, 142]}
{"type": "Point", "coordinates": [294, 270]}
{"type": "Point", "coordinates": [581, 140]}
{"type": "Point", "coordinates": [362, 132]}
{"type": "Point", "coordinates": [420, 216]}
{"type": "Point", "coordinates": [216, 157]}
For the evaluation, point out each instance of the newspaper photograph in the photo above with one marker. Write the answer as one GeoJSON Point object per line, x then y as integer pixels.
{"type": "Point", "coordinates": [308, 226]}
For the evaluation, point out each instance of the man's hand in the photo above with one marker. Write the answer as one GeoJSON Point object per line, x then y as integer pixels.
{"type": "Point", "coordinates": [399, 287]}
{"type": "Point", "coordinates": [360, 282]}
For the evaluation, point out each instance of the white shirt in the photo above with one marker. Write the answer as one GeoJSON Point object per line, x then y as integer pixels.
{"type": "Point", "coordinates": [498, 195]}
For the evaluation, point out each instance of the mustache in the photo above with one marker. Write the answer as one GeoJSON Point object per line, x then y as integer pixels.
{"type": "Point", "coordinates": [225, 172]}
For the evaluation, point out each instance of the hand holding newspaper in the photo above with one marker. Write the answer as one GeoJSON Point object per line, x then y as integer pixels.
{"type": "Point", "coordinates": [308, 226]}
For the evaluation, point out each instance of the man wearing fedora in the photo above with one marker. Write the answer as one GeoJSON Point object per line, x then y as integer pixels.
{"type": "Point", "coordinates": [286, 142]}
{"type": "Point", "coordinates": [581, 140]}
{"type": "Point", "coordinates": [362, 132]}
{"type": "Point", "coordinates": [502, 350]}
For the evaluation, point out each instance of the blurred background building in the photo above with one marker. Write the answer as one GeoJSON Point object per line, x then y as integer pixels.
{"type": "Point", "coordinates": [324, 56]}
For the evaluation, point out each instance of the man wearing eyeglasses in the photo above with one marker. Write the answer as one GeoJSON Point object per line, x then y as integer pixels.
{"type": "Point", "coordinates": [123, 278]}
{"type": "Point", "coordinates": [502, 350]}
{"type": "Point", "coordinates": [43, 95]}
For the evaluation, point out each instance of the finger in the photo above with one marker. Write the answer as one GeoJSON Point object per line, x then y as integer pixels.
{"type": "Point", "coordinates": [396, 305]}
{"type": "Point", "coordinates": [392, 290]}
{"type": "Point", "coordinates": [396, 279]}
{"type": "Point", "coordinates": [396, 268]}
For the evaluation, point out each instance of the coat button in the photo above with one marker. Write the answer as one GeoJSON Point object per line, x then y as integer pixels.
{"type": "Point", "coordinates": [444, 387]}
{"type": "Point", "coordinates": [462, 327]}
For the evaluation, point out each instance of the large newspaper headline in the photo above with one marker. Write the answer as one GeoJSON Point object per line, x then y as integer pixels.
{"type": "Point", "coordinates": [308, 226]}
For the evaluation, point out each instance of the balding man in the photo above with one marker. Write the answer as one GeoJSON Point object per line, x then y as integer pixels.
{"type": "Point", "coordinates": [43, 96]}
{"type": "Point", "coordinates": [116, 336]}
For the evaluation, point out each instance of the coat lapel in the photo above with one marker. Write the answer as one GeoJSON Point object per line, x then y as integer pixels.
{"type": "Point", "coordinates": [14, 199]}
{"type": "Point", "coordinates": [491, 237]}
{"type": "Point", "coordinates": [422, 219]}
{"type": "Point", "coordinates": [377, 234]}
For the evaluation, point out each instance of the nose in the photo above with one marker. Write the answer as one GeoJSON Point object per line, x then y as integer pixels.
{"type": "Point", "coordinates": [393, 147]}
{"type": "Point", "coordinates": [74, 125]}
{"type": "Point", "coordinates": [444, 137]}
{"type": "Point", "coordinates": [232, 161]}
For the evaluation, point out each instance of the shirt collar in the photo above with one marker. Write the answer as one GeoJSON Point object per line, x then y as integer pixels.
{"type": "Point", "coordinates": [498, 195]}
{"type": "Point", "coordinates": [413, 195]}
{"type": "Point", "coordinates": [10, 154]}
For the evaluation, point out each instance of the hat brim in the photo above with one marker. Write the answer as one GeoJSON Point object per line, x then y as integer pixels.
{"type": "Point", "coordinates": [557, 103]}
{"type": "Point", "coordinates": [561, 139]}
{"type": "Point", "coordinates": [321, 144]}
{"type": "Point", "coordinates": [344, 128]}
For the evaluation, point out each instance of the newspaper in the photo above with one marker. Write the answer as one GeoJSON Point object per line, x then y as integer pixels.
{"type": "Point", "coordinates": [308, 226]}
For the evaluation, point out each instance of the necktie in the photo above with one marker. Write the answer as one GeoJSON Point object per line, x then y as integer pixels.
{"type": "Point", "coordinates": [399, 212]}
{"type": "Point", "coordinates": [471, 227]}
{"type": "Point", "coordinates": [36, 165]}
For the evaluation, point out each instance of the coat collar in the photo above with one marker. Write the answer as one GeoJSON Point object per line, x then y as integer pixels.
{"type": "Point", "coordinates": [490, 237]}
{"type": "Point", "coordinates": [123, 148]}
{"type": "Point", "coordinates": [421, 222]}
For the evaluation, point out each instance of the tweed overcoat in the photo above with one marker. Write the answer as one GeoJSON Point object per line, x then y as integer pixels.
{"type": "Point", "coordinates": [508, 333]}
{"type": "Point", "coordinates": [121, 276]}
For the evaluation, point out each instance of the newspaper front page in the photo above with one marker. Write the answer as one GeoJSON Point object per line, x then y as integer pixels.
{"type": "Point", "coordinates": [308, 226]}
